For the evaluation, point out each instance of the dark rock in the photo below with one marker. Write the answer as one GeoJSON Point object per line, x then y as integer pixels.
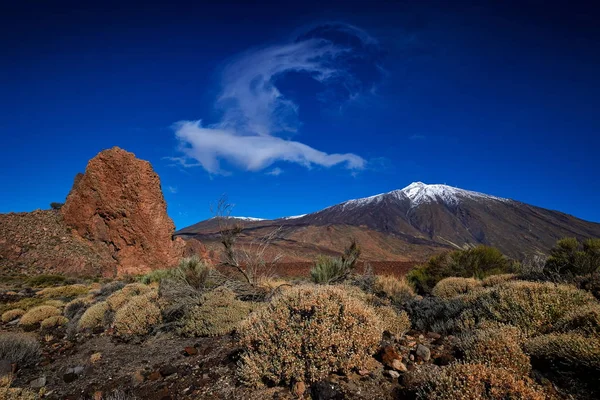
{"type": "Point", "coordinates": [167, 370]}
{"type": "Point", "coordinates": [190, 351]}
{"type": "Point", "coordinates": [423, 352]}
{"type": "Point", "coordinates": [38, 383]}
{"type": "Point", "coordinates": [326, 390]}
{"type": "Point", "coordinates": [69, 377]}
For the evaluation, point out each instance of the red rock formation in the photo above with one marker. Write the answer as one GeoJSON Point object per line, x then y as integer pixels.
{"type": "Point", "coordinates": [119, 206]}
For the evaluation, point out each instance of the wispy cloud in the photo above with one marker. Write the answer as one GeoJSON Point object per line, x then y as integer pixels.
{"type": "Point", "coordinates": [275, 171]}
{"type": "Point", "coordinates": [172, 189]}
{"type": "Point", "coordinates": [257, 118]}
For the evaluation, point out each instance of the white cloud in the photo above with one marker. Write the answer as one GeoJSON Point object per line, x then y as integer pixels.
{"type": "Point", "coordinates": [255, 113]}
{"type": "Point", "coordinates": [275, 171]}
{"type": "Point", "coordinates": [172, 189]}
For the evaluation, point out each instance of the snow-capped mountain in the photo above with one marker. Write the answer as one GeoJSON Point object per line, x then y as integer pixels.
{"type": "Point", "coordinates": [427, 217]}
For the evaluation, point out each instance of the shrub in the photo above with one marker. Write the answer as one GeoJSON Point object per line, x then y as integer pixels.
{"type": "Point", "coordinates": [584, 320]}
{"type": "Point", "coordinates": [565, 351]}
{"type": "Point", "coordinates": [94, 316]}
{"type": "Point", "coordinates": [450, 287]}
{"type": "Point", "coordinates": [56, 206]}
{"type": "Point", "coordinates": [306, 333]}
{"type": "Point", "coordinates": [495, 280]}
{"type": "Point", "coordinates": [396, 289]}
{"type": "Point", "coordinates": [569, 257]}
{"type": "Point", "coordinates": [13, 314]}
{"type": "Point", "coordinates": [22, 349]}
{"type": "Point", "coordinates": [111, 287]}
{"type": "Point", "coordinates": [478, 262]}
{"type": "Point", "coordinates": [55, 303]}
{"type": "Point", "coordinates": [156, 275]}
{"type": "Point", "coordinates": [119, 298]}
{"type": "Point", "coordinates": [392, 321]}
{"type": "Point", "coordinates": [46, 280]}
{"type": "Point", "coordinates": [73, 307]}
{"type": "Point", "coordinates": [193, 271]}
{"type": "Point", "coordinates": [138, 316]}
{"type": "Point", "coordinates": [219, 314]}
{"type": "Point", "coordinates": [69, 291]}
{"type": "Point", "coordinates": [53, 322]}
{"type": "Point", "coordinates": [479, 381]}
{"type": "Point", "coordinates": [497, 346]}
{"type": "Point", "coordinates": [328, 270]}
{"type": "Point", "coordinates": [38, 314]}
{"type": "Point", "coordinates": [24, 304]}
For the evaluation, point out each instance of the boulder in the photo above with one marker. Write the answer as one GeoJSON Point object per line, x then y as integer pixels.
{"type": "Point", "coordinates": [118, 205]}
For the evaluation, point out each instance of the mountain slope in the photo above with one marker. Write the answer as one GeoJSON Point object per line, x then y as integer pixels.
{"type": "Point", "coordinates": [414, 221]}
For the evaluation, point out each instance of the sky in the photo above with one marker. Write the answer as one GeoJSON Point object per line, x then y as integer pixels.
{"type": "Point", "coordinates": [289, 107]}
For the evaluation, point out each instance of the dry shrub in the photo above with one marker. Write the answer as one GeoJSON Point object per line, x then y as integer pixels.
{"type": "Point", "coordinates": [495, 280]}
{"type": "Point", "coordinates": [534, 307]}
{"type": "Point", "coordinates": [24, 304]}
{"type": "Point", "coordinates": [396, 289]}
{"type": "Point", "coordinates": [53, 322]}
{"type": "Point", "coordinates": [584, 320]}
{"type": "Point", "coordinates": [73, 307]}
{"type": "Point", "coordinates": [20, 348]}
{"type": "Point", "coordinates": [55, 303]}
{"type": "Point", "coordinates": [565, 352]}
{"type": "Point", "coordinates": [219, 314]}
{"type": "Point", "coordinates": [69, 291]}
{"type": "Point", "coordinates": [138, 316]}
{"type": "Point", "coordinates": [450, 287]}
{"type": "Point", "coordinates": [119, 298]}
{"type": "Point", "coordinates": [479, 382]}
{"type": "Point", "coordinates": [16, 393]}
{"type": "Point", "coordinates": [11, 315]}
{"type": "Point", "coordinates": [497, 346]}
{"type": "Point", "coordinates": [392, 321]}
{"type": "Point", "coordinates": [38, 314]}
{"type": "Point", "coordinates": [94, 316]}
{"type": "Point", "coordinates": [306, 333]}
{"type": "Point", "coordinates": [95, 358]}
{"type": "Point", "coordinates": [111, 287]}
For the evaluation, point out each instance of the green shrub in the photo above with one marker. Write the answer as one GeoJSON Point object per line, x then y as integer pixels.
{"type": "Point", "coordinates": [450, 287]}
{"type": "Point", "coordinates": [329, 270]}
{"type": "Point", "coordinates": [69, 291]}
{"type": "Point", "coordinates": [478, 382]}
{"type": "Point", "coordinates": [46, 280]}
{"type": "Point", "coordinates": [119, 298]}
{"type": "Point", "coordinates": [138, 316]}
{"type": "Point", "coordinates": [13, 314]}
{"type": "Point", "coordinates": [156, 275]}
{"type": "Point", "coordinates": [20, 348]}
{"type": "Point", "coordinates": [396, 289]}
{"type": "Point", "coordinates": [53, 322]}
{"type": "Point", "coordinates": [569, 258]}
{"type": "Point", "coordinates": [56, 206]}
{"type": "Point", "coordinates": [497, 346]}
{"type": "Point", "coordinates": [219, 314]}
{"type": "Point", "coordinates": [478, 262]}
{"type": "Point", "coordinates": [55, 303]}
{"type": "Point", "coordinates": [37, 315]}
{"type": "Point", "coordinates": [24, 304]}
{"type": "Point", "coordinates": [193, 271]}
{"type": "Point", "coordinates": [584, 320]}
{"type": "Point", "coordinates": [94, 317]}
{"type": "Point", "coordinates": [306, 333]}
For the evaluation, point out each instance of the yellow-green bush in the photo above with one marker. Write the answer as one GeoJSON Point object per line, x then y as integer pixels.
{"type": "Point", "coordinates": [19, 348]}
{"type": "Point", "coordinates": [38, 314]}
{"type": "Point", "coordinates": [219, 314]}
{"type": "Point", "coordinates": [584, 320]}
{"type": "Point", "coordinates": [497, 346]}
{"type": "Point", "coordinates": [495, 280]}
{"type": "Point", "coordinates": [53, 322]}
{"type": "Point", "coordinates": [24, 304]}
{"type": "Point", "coordinates": [119, 298]}
{"type": "Point", "coordinates": [479, 382]}
{"type": "Point", "coordinates": [69, 291]}
{"type": "Point", "coordinates": [394, 288]}
{"type": "Point", "coordinates": [450, 287]}
{"type": "Point", "coordinates": [567, 352]}
{"type": "Point", "coordinates": [55, 303]}
{"type": "Point", "coordinates": [94, 316]}
{"type": "Point", "coordinates": [11, 315]}
{"type": "Point", "coordinates": [138, 316]}
{"type": "Point", "coordinates": [396, 323]}
{"type": "Point", "coordinates": [306, 333]}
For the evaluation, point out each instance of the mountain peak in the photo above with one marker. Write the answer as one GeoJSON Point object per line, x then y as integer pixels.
{"type": "Point", "coordinates": [419, 192]}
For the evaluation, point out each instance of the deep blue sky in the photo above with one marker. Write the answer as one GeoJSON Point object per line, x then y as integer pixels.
{"type": "Point", "coordinates": [497, 97]}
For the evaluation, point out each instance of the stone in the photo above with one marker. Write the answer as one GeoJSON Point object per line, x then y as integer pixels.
{"type": "Point", "coordinates": [392, 374]}
{"type": "Point", "coordinates": [69, 377]}
{"type": "Point", "coordinates": [167, 370]}
{"type": "Point", "coordinates": [423, 352]}
{"type": "Point", "coordinates": [399, 366]}
{"type": "Point", "coordinates": [154, 376]}
{"type": "Point", "coordinates": [38, 383]}
{"type": "Point", "coordinates": [388, 354]}
{"type": "Point", "coordinates": [75, 370]}
{"type": "Point", "coordinates": [364, 372]}
{"type": "Point", "coordinates": [190, 351]}
{"type": "Point", "coordinates": [299, 388]}
{"type": "Point", "coordinates": [433, 335]}
{"type": "Point", "coordinates": [325, 390]}
{"type": "Point", "coordinates": [138, 377]}
{"type": "Point", "coordinates": [119, 206]}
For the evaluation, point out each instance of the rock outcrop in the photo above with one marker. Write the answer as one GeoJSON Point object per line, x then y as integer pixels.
{"type": "Point", "coordinates": [118, 206]}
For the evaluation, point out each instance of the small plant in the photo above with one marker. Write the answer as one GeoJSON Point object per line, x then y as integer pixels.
{"type": "Point", "coordinates": [55, 303]}
{"type": "Point", "coordinates": [138, 316]}
{"type": "Point", "coordinates": [37, 314]}
{"type": "Point", "coordinates": [156, 275]}
{"type": "Point", "coordinates": [24, 304]}
{"type": "Point", "coordinates": [396, 289]}
{"type": "Point", "coordinates": [119, 298]}
{"type": "Point", "coordinates": [21, 349]}
{"type": "Point", "coordinates": [497, 346]}
{"type": "Point", "coordinates": [395, 323]}
{"type": "Point", "coordinates": [11, 315]}
{"type": "Point", "coordinates": [495, 280]}
{"type": "Point", "coordinates": [569, 258]}
{"type": "Point", "coordinates": [584, 320]}
{"type": "Point", "coordinates": [94, 317]}
{"type": "Point", "coordinates": [111, 287]}
{"type": "Point", "coordinates": [56, 206]}
{"type": "Point", "coordinates": [306, 333]}
{"type": "Point", "coordinates": [46, 280]}
{"type": "Point", "coordinates": [69, 291]}
{"type": "Point", "coordinates": [95, 358]}
{"type": "Point", "coordinates": [53, 322]}
{"type": "Point", "coordinates": [219, 314]}
{"type": "Point", "coordinates": [450, 287]}
{"type": "Point", "coordinates": [330, 270]}
{"type": "Point", "coordinates": [478, 381]}
{"type": "Point", "coordinates": [74, 307]}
